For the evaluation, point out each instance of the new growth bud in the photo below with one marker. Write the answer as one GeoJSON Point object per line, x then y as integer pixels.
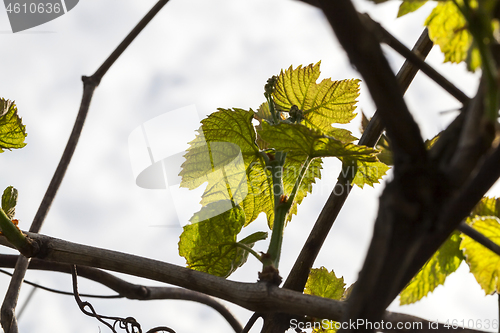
{"type": "Point", "coordinates": [296, 114]}
{"type": "Point", "coordinates": [271, 85]}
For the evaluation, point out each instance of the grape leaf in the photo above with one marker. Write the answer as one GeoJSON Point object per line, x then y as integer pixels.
{"type": "Point", "coordinates": [483, 263]}
{"type": "Point", "coordinates": [9, 201]}
{"type": "Point", "coordinates": [325, 284]}
{"type": "Point", "coordinates": [435, 271]}
{"type": "Point", "coordinates": [12, 130]}
{"type": "Point", "coordinates": [321, 104]}
{"type": "Point", "coordinates": [409, 6]}
{"type": "Point", "coordinates": [208, 244]}
{"type": "Point", "coordinates": [303, 140]}
{"type": "Point", "coordinates": [263, 113]}
{"type": "Point", "coordinates": [486, 207]}
{"type": "Point", "coordinates": [365, 171]}
{"type": "Point", "coordinates": [448, 29]}
{"type": "Point", "coordinates": [224, 154]}
{"type": "Point", "coordinates": [291, 169]}
{"type": "Point", "coordinates": [300, 142]}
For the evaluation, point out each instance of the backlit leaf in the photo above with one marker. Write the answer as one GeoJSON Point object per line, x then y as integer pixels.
{"type": "Point", "coordinates": [325, 284]}
{"type": "Point", "coordinates": [322, 104]}
{"type": "Point", "coordinates": [448, 29]}
{"type": "Point", "coordinates": [408, 6]}
{"type": "Point", "coordinates": [486, 207]}
{"type": "Point", "coordinates": [483, 263]}
{"type": "Point", "coordinates": [208, 244]}
{"type": "Point", "coordinates": [9, 201]}
{"type": "Point", "coordinates": [300, 142]}
{"type": "Point", "coordinates": [12, 130]}
{"type": "Point", "coordinates": [444, 262]}
{"type": "Point", "coordinates": [225, 156]}
{"type": "Point", "coordinates": [365, 171]}
{"type": "Point", "coordinates": [303, 140]}
{"type": "Point", "coordinates": [291, 171]}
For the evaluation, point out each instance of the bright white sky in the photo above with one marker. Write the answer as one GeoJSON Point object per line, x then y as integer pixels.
{"type": "Point", "coordinates": [209, 54]}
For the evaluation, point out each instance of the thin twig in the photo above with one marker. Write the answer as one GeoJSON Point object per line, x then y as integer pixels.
{"type": "Point", "coordinates": [60, 292]}
{"type": "Point", "coordinates": [387, 38]}
{"type": "Point", "coordinates": [129, 290]}
{"type": "Point", "coordinates": [300, 271]}
{"type": "Point", "coordinates": [366, 55]}
{"type": "Point", "coordinates": [27, 301]}
{"type": "Point", "coordinates": [128, 40]}
{"type": "Point", "coordinates": [8, 318]}
{"type": "Point", "coordinates": [90, 83]}
{"type": "Point", "coordinates": [251, 322]}
{"type": "Point", "coordinates": [479, 237]}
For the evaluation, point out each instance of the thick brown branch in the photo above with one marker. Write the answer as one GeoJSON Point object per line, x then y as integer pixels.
{"type": "Point", "coordinates": [127, 289]}
{"type": "Point", "coordinates": [258, 297]}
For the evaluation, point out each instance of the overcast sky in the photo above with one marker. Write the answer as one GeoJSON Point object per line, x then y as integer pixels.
{"type": "Point", "coordinates": [206, 54]}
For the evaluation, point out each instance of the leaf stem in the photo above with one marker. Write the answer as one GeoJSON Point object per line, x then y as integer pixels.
{"type": "Point", "coordinates": [272, 109]}
{"type": "Point", "coordinates": [12, 233]}
{"type": "Point", "coordinates": [282, 206]}
{"type": "Point", "coordinates": [302, 173]}
{"type": "Point", "coordinates": [280, 210]}
{"type": "Point", "coordinates": [249, 249]}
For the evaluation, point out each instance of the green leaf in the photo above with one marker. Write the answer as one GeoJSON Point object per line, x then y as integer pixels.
{"type": "Point", "coordinates": [365, 171]}
{"type": "Point", "coordinates": [321, 104]}
{"type": "Point", "coordinates": [263, 113]}
{"type": "Point", "coordinates": [409, 6]}
{"type": "Point", "coordinates": [448, 29]}
{"type": "Point", "coordinates": [291, 169]}
{"type": "Point", "coordinates": [9, 201]}
{"type": "Point", "coordinates": [299, 142]}
{"type": "Point", "coordinates": [225, 156]}
{"type": "Point", "coordinates": [486, 207]}
{"type": "Point", "coordinates": [325, 284]}
{"type": "Point", "coordinates": [483, 263]}
{"type": "Point", "coordinates": [260, 197]}
{"type": "Point", "coordinates": [444, 262]}
{"type": "Point", "coordinates": [208, 244]}
{"type": "Point", "coordinates": [253, 238]}
{"type": "Point", "coordinates": [306, 141]}
{"type": "Point", "coordinates": [12, 130]}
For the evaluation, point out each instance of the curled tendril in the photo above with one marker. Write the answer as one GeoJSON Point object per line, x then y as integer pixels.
{"type": "Point", "coordinates": [129, 324]}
